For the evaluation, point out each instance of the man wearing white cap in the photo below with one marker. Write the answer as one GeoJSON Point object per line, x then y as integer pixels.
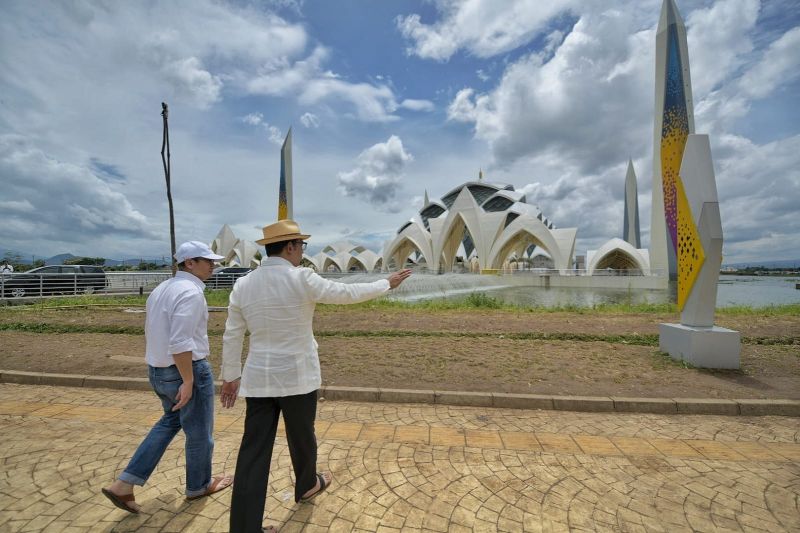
{"type": "Point", "coordinates": [281, 374]}
{"type": "Point", "coordinates": [177, 350]}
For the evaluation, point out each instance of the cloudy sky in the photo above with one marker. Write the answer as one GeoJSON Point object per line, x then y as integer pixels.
{"type": "Point", "coordinates": [385, 100]}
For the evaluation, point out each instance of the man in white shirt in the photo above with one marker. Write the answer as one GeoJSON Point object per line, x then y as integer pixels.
{"type": "Point", "coordinates": [6, 269]}
{"type": "Point", "coordinates": [281, 374]}
{"type": "Point", "coordinates": [180, 374]}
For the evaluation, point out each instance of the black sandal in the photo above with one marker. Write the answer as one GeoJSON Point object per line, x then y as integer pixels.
{"type": "Point", "coordinates": [322, 486]}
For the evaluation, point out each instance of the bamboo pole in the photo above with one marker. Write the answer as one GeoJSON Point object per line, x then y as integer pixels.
{"type": "Point", "coordinates": [166, 163]}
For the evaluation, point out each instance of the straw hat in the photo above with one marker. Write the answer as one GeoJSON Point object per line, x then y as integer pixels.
{"type": "Point", "coordinates": [282, 230]}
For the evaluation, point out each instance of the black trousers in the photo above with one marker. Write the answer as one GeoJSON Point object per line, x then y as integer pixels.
{"type": "Point", "coordinates": [255, 453]}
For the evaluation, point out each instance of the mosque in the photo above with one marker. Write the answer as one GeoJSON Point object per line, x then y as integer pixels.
{"type": "Point", "coordinates": [491, 224]}
{"type": "Point", "coordinates": [486, 227]}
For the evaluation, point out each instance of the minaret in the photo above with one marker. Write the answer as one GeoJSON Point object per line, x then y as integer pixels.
{"type": "Point", "coordinates": [285, 191]}
{"type": "Point", "coordinates": [426, 201]}
{"type": "Point", "coordinates": [674, 121]}
{"type": "Point", "coordinates": [630, 227]}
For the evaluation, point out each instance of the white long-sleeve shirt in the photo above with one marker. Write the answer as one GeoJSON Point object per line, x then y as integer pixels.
{"type": "Point", "coordinates": [276, 304]}
{"type": "Point", "coordinates": [177, 320]}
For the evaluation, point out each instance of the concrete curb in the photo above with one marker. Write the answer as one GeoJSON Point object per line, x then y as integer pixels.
{"type": "Point", "coordinates": [595, 404]}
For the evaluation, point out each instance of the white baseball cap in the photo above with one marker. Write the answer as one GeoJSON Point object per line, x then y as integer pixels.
{"type": "Point", "coordinates": [192, 249]}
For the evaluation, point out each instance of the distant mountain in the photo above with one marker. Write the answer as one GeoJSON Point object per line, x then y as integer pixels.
{"type": "Point", "coordinates": [136, 260]}
{"type": "Point", "coordinates": [784, 263]}
{"type": "Point", "coordinates": [58, 259]}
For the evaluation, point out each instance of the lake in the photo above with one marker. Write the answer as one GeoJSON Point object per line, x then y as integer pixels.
{"type": "Point", "coordinates": [753, 291]}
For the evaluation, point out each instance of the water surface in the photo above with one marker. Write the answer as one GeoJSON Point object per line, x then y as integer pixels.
{"type": "Point", "coordinates": [753, 291]}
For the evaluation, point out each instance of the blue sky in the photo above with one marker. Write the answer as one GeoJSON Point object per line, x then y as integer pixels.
{"type": "Point", "coordinates": [385, 100]}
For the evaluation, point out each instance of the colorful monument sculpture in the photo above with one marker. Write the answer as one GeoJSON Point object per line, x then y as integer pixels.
{"type": "Point", "coordinates": [674, 121]}
{"type": "Point", "coordinates": [686, 230]}
{"type": "Point", "coordinates": [285, 191]}
{"type": "Point", "coordinates": [696, 339]}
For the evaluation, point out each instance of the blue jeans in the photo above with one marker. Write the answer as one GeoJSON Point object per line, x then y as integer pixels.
{"type": "Point", "coordinates": [196, 418]}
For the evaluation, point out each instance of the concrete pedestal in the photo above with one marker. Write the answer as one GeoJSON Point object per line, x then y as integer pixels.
{"type": "Point", "coordinates": [712, 347]}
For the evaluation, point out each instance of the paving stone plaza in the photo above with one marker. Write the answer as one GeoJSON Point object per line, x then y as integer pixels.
{"type": "Point", "coordinates": [411, 467]}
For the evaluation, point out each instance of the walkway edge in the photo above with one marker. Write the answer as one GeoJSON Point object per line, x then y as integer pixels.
{"type": "Point", "coordinates": [695, 406]}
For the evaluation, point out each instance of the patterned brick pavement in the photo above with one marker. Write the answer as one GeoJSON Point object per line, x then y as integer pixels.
{"type": "Point", "coordinates": [412, 468]}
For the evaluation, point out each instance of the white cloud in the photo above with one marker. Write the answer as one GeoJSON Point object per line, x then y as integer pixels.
{"type": "Point", "coordinates": [759, 188]}
{"type": "Point", "coordinates": [583, 104]}
{"type": "Point", "coordinates": [482, 27]}
{"type": "Point", "coordinates": [462, 108]}
{"type": "Point", "coordinates": [562, 110]}
{"type": "Point", "coordinates": [758, 75]}
{"type": "Point", "coordinates": [376, 178]}
{"type": "Point", "coordinates": [417, 105]}
{"type": "Point", "coordinates": [61, 202]}
{"type": "Point", "coordinates": [719, 42]}
{"type": "Point", "coordinates": [372, 103]}
{"type": "Point", "coordinates": [572, 116]}
{"type": "Point", "coordinates": [254, 119]}
{"type": "Point", "coordinates": [12, 207]}
{"type": "Point", "coordinates": [307, 80]}
{"type": "Point", "coordinates": [201, 50]}
{"type": "Point", "coordinates": [310, 120]}
{"type": "Point", "coordinates": [189, 78]}
{"type": "Point", "coordinates": [273, 132]}
{"type": "Point", "coordinates": [779, 65]}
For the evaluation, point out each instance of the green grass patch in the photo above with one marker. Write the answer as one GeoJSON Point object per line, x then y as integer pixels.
{"type": "Point", "coordinates": [772, 341]}
{"type": "Point", "coordinates": [215, 298]}
{"type": "Point", "coordinates": [476, 301]}
{"type": "Point", "coordinates": [482, 301]}
{"type": "Point", "coordinates": [643, 340]}
{"type": "Point", "coordinates": [633, 340]}
{"type": "Point", "coordinates": [771, 310]}
{"type": "Point", "coordinates": [40, 327]}
{"type": "Point", "coordinates": [78, 302]}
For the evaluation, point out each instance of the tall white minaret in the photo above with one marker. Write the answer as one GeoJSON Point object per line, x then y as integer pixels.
{"type": "Point", "coordinates": [674, 121]}
{"type": "Point", "coordinates": [285, 191]}
{"type": "Point", "coordinates": [630, 226]}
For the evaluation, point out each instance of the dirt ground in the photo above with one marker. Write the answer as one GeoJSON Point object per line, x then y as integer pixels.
{"type": "Point", "coordinates": [443, 360]}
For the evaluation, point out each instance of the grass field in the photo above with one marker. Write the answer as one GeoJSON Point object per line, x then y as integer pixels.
{"type": "Point", "coordinates": [476, 300]}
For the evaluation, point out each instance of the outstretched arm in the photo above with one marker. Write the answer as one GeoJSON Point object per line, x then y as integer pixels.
{"type": "Point", "coordinates": [325, 291]}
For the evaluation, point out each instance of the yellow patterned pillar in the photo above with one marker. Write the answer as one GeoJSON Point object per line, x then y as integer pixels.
{"type": "Point", "coordinates": [691, 255]}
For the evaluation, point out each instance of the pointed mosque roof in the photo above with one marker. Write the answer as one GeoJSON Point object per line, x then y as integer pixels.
{"type": "Point", "coordinates": [225, 240]}
{"type": "Point", "coordinates": [669, 16]}
{"type": "Point", "coordinates": [288, 138]}
{"type": "Point", "coordinates": [630, 175]}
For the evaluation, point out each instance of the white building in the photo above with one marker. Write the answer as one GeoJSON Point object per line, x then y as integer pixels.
{"type": "Point", "coordinates": [344, 256]}
{"type": "Point", "coordinates": [237, 252]}
{"type": "Point", "coordinates": [478, 226]}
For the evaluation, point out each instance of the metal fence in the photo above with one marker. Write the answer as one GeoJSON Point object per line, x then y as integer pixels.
{"type": "Point", "coordinates": [21, 286]}
{"type": "Point", "coordinates": [25, 285]}
{"type": "Point", "coordinates": [579, 272]}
